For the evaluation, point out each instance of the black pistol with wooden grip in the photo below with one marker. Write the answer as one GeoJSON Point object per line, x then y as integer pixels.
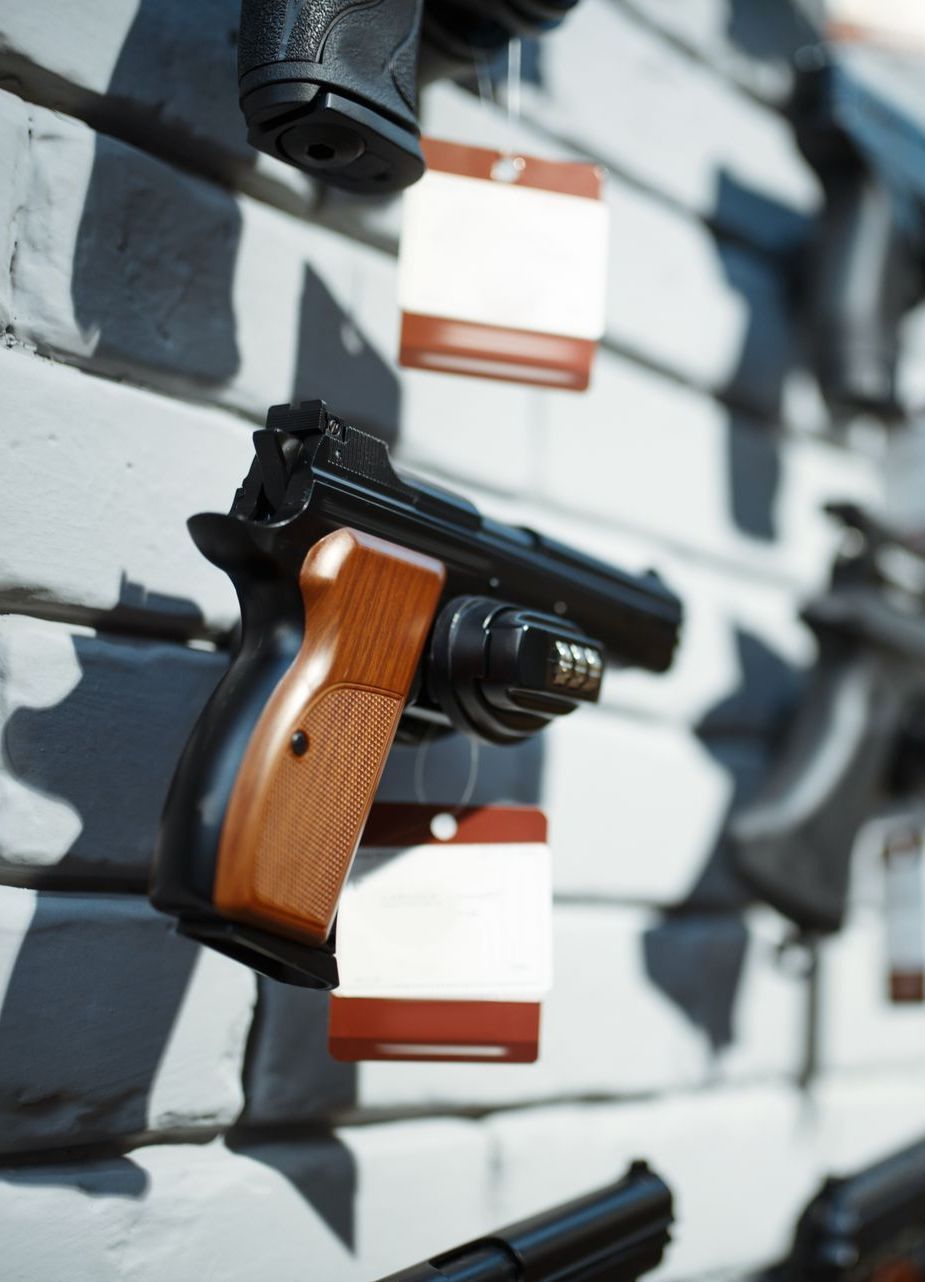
{"type": "Point", "coordinates": [369, 601]}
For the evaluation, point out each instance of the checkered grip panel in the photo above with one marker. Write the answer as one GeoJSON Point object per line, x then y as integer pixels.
{"type": "Point", "coordinates": [317, 804]}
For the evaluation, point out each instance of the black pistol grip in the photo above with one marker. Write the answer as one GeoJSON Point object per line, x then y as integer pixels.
{"type": "Point", "coordinates": [863, 265]}
{"type": "Point", "coordinates": [272, 629]}
{"type": "Point", "coordinates": [792, 845]}
{"type": "Point", "coordinates": [330, 86]}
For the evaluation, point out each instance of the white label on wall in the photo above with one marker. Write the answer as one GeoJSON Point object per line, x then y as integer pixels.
{"type": "Point", "coordinates": [501, 254]}
{"type": "Point", "coordinates": [905, 916]}
{"type": "Point", "coordinates": [448, 921]}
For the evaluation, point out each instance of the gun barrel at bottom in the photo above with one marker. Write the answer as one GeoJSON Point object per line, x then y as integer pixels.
{"type": "Point", "coordinates": [614, 1235]}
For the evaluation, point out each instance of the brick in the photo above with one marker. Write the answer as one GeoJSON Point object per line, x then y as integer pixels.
{"type": "Point", "coordinates": [140, 1030]}
{"type": "Point", "coordinates": [646, 453]}
{"type": "Point", "coordinates": [858, 1026]}
{"type": "Point", "coordinates": [76, 709]}
{"type": "Point", "coordinates": [637, 810]}
{"type": "Point", "coordinates": [221, 319]}
{"type": "Point", "coordinates": [738, 160]}
{"type": "Point", "coordinates": [183, 1210]}
{"type": "Point", "coordinates": [743, 650]}
{"type": "Point", "coordinates": [752, 44]}
{"type": "Point", "coordinates": [104, 478]}
{"type": "Point", "coordinates": [638, 1006]}
{"type": "Point", "coordinates": [739, 1162]}
{"type": "Point", "coordinates": [163, 75]}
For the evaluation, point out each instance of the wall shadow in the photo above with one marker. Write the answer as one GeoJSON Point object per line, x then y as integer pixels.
{"type": "Point", "coordinates": [772, 30]}
{"type": "Point", "coordinates": [336, 361]}
{"type": "Point", "coordinates": [320, 1168]}
{"type": "Point", "coordinates": [108, 749]}
{"type": "Point", "coordinates": [770, 350]}
{"type": "Point", "coordinates": [695, 954]}
{"type": "Point", "coordinates": [107, 982]}
{"type": "Point", "coordinates": [157, 249]}
{"type": "Point", "coordinates": [153, 267]}
{"type": "Point", "coordinates": [109, 1177]}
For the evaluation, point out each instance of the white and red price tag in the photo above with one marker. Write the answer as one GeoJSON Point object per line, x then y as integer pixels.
{"type": "Point", "coordinates": [898, 23]}
{"type": "Point", "coordinates": [503, 266]}
{"type": "Point", "coordinates": [444, 937]}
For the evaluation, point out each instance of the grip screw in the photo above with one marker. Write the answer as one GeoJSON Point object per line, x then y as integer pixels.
{"type": "Point", "coordinates": [299, 743]}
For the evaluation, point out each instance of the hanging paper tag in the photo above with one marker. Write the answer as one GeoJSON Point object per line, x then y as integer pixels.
{"type": "Point", "coordinates": [905, 916]}
{"type": "Point", "coordinates": [503, 267]}
{"type": "Point", "coordinates": [894, 22]}
{"type": "Point", "coordinates": [444, 937]}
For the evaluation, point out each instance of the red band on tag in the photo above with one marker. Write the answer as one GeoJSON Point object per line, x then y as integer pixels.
{"type": "Point", "coordinates": [397, 824]}
{"type": "Point", "coordinates": [492, 351]}
{"type": "Point", "coordinates": [573, 178]}
{"type": "Point", "coordinates": [362, 1028]}
{"type": "Point", "coordinates": [907, 986]}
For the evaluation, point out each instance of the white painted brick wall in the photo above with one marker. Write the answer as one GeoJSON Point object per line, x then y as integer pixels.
{"type": "Point", "coordinates": [112, 1024]}
{"type": "Point", "coordinates": [345, 1210]}
{"type": "Point", "coordinates": [160, 285]}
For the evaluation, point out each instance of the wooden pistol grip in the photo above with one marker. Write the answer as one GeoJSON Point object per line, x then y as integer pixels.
{"type": "Point", "coordinates": [311, 768]}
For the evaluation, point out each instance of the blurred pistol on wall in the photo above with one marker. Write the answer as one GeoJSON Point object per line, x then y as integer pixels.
{"type": "Point", "coordinates": [859, 117]}
{"type": "Point", "coordinates": [331, 86]}
{"type": "Point", "coordinates": [614, 1235]}
{"type": "Point", "coordinates": [857, 744]}
{"type": "Point", "coordinates": [868, 1227]}
{"type": "Point", "coordinates": [371, 604]}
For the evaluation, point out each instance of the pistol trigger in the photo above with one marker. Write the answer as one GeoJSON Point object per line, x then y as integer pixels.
{"type": "Point", "coordinates": [273, 469]}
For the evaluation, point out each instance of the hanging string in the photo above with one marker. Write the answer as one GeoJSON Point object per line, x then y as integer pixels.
{"type": "Point", "coordinates": [510, 165]}
{"type": "Point", "coordinates": [420, 761]}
